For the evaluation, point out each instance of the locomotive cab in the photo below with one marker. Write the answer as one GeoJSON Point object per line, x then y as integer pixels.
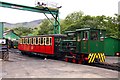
{"type": "Point", "coordinates": [90, 42]}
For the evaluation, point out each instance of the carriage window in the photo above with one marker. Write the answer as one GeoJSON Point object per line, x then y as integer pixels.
{"type": "Point", "coordinates": [19, 41]}
{"type": "Point", "coordinates": [50, 41]}
{"type": "Point", "coordinates": [34, 40]}
{"type": "Point", "coordinates": [102, 36]}
{"type": "Point", "coordinates": [38, 40]}
{"type": "Point", "coordinates": [94, 35]}
{"type": "Point", "coordinates": [26, 40]}
{"type": "Point", "coordinates": [47, 41]}
{"type": "Point", "coordinates": [30, 40]}
{"type": "Point", "coordinates": [78, 37]}
{"type": "Point", "coordinates": [85, 35]}
{"type": "Point", "coordinates": [42, 41]}
{"type": "Point", "coordinates": [22, 40]}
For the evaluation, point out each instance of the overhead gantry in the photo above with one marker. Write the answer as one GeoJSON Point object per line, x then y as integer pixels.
{"type": "Point", "coordinates": [45, 10]}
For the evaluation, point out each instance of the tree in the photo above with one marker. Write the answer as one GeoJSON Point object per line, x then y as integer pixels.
{"type": "Point", "coordinates": [6, 28]}
{"type": "Point", "coordinates": [23, 31]}
{"type": "Point", "coordinates": [77, 20]}
{"type": "Point", "coordinates": [112, 26]}
{"type": "Point", "coordinates": [44, 28]}
{"type": "Point", "coordinates": [71, 21]}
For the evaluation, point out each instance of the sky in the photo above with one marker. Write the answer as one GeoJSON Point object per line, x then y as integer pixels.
{"type": "Point", "coordinates": [89, 7]}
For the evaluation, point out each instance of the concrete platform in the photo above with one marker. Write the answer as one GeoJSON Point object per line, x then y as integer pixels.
{"type": "Point", "coordinates": [20, 66]}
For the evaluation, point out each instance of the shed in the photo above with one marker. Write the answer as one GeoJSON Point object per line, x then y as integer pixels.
{"type": "Point", "coordinates": [11, 35]}
{"type": "Point", "coordinates": [112, 45]}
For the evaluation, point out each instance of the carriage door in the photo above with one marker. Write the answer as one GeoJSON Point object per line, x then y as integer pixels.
{"type": "Point", "coordinates": [78, 48]}
{"type": "Point", "coordinates": [84, 41]}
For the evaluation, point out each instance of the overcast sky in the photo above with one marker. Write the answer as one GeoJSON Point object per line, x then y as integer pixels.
{"type": "Point", "coordinates": [89, 7]}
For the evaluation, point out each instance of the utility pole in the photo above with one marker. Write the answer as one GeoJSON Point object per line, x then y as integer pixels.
{"type": "Point", "coordinates": [1, 30]}
{"type": "Point", "coordinates": [4, 54]}
{"type": "Point", "coordinates": [1, 36]}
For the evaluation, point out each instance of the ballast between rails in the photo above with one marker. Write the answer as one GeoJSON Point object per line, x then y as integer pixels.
{"type": "Point", "coordinates": [111, 66]}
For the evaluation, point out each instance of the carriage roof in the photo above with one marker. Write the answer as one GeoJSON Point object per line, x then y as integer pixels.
{"type": "Point", "coordinates": [49, 35]}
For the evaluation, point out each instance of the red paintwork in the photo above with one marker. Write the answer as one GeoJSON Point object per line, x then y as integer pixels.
{"type": "Point", "coordinates": [73, 60]}
{"type": "Point", "coordinates": [42, 49]}
{"type": "Point", "coordinates": [66, 59]}
{"type": "Point", "coordinates": [86, 59]}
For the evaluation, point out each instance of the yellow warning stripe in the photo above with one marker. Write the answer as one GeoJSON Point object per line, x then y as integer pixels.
{"type": "Point", "coordinates": [90, 58]}
{"type": "Point", "coordinates": [103, 57]}
{"type": "Point", "coordinates": [99, 56]}
{"type": "Point", "coordinates": [93, 58]}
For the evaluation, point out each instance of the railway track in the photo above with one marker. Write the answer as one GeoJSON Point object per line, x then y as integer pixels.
{"type": "Point", "coordinates": [113, 66]}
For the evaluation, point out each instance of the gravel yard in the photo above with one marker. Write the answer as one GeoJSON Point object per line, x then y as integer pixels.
{"type": "Point", "coordinates": [20, 66]}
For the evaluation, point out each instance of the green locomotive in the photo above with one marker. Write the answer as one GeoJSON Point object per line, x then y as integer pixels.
{"type": "Point", "coordinates": [84, 46]}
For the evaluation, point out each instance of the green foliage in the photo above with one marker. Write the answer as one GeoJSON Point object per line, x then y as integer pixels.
{"type": "Point", "coordinates": [23, 31]}
{"type": "Point", "coordinates": [73, 21]}
{"type": "Point", "coordinates": [6, 28]}
{"type": "Point", "coordinates": [44, 28]}
{"type": "Point", "coordinates": [77, 20]}
{"type": "Point", "coordinates": [112, 27]}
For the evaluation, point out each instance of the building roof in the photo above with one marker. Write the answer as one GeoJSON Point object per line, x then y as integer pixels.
{"type": "Point", "coordinates": [9, 34]}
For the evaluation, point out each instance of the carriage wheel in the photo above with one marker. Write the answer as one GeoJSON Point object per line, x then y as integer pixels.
{"type": "Point", "coordinates": [73, 60]}
{"type": "Point", "coordinates": [80, 61]}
